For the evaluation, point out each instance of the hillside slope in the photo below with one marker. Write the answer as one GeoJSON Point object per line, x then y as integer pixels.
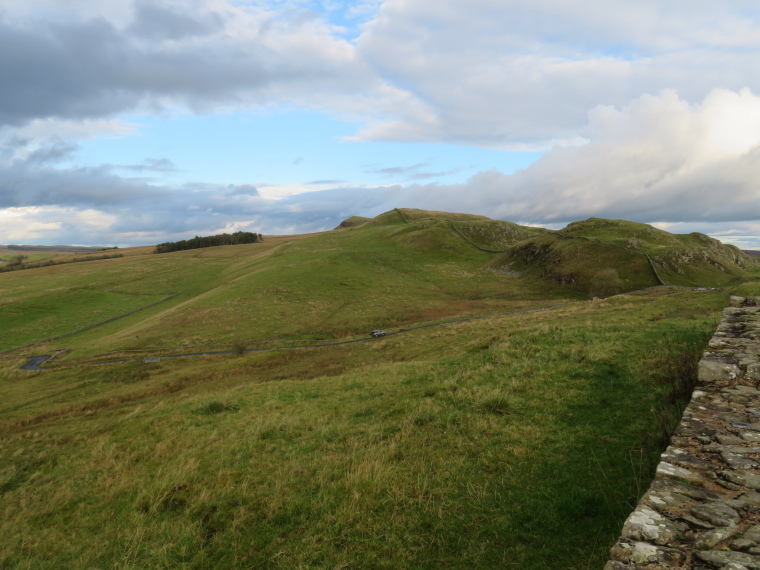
{"type": "Point", "coordinates": [630, 254]}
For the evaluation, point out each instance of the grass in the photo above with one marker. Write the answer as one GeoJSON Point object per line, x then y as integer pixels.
{"type": "Point", "coordinates": [519, 441]}
{"type": "Point", "coordinates": [516, 441]}
{"type": "Point", "coordinates": [329, 286]}
{"type": "Point", "coordinates": [47, 315]}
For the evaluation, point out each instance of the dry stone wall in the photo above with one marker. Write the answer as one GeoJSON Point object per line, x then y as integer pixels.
{"type": "Point", "coordinates": [702, 511]}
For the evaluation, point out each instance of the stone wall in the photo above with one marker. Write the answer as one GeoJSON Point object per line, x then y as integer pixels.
{"type": "Point", "coordinates": [702, 510]}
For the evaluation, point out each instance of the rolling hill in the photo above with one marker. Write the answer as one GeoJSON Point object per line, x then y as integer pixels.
{"type": "Point", "coordinates": [640, 255]}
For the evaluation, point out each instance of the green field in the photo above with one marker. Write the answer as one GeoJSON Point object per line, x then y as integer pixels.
{"type": "Point", "coordinates": [520, 440]}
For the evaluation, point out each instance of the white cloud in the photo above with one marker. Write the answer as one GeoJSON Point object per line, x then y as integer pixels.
{"type": "Point", "coordinates": [524, 72]}
{"type": "Point", "coordinates": [658, 159]}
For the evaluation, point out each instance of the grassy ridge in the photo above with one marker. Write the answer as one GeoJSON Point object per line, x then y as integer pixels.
{"type": "Point", "coordinates": [333, 285]}
{"type": "Point", "coordinates": [569, 260]}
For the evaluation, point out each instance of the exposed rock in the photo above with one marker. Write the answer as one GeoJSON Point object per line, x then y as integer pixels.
{"type": "Point", "coordinates": [742, 449]}
{"type": "Point", "coordinates": [679, 456]}
{"type": "Point", "coordinates": [743, 426]}
{"type": "Point", "coordinates": [696, 523]}
{"type": "Point", "coordinates": [751, 498]}
{"type": "Point", "coordinates": [615, 565]}
{"type": "Point", "coordinates": [753, 371]}
{"type": "Point", "coordinates": [735, 566]}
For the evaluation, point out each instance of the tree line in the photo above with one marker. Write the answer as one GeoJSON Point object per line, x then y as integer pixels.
{"type": "Point", "coordinates": [209, 241]}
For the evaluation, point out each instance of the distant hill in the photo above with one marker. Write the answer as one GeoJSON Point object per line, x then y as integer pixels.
{"type": "Point", "coordinates": [752, 252]}
{"type": "Point", "coordinates": [353, 221]}
{"type": "Point", "coordinates": [52, 248]}
{"type": "Point", "coordinates": [640, 254]}
{"type": "Point", "coordinates": [593, 256]}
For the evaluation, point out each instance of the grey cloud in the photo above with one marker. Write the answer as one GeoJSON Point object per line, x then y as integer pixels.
{"type": "Point", "coordinates": [159, 165]}
{"type": "Point", "coordinates": [155, 22]}
{"type": "Point", "coordinates": [398, 171]}
{"type": "Point", "coordinates": [34, 180]}
{"type": "Point", "coordinates": [82, 187]}
{"type": "Point", "coordinates": [243, 189]}
{"type": "Point", "coordinates": [412, 172]}
{"type": "Point", "coordinates": [92, 68]}
{"type": "Point", "coordinates": [50, 152]}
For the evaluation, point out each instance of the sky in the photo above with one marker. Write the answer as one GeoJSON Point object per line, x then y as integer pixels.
{"type": "Point", "coordinates": [135, 122]}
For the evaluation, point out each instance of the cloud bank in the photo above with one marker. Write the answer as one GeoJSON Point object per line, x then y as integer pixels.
{"type": "Point", "coordinates": [647, 110]}
{"type": "Point", "coordinates": [659, 159]}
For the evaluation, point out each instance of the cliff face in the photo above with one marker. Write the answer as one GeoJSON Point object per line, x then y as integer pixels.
{"type": "Point", "coordinates": [703, 507]}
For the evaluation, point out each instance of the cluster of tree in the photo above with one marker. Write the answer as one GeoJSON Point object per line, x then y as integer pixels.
{"type": "Point", "coordinates": [209, 241]}
{"type": "Point", "coordinates": [17, 261]}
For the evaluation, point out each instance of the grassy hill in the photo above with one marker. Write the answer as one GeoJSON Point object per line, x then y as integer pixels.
{"type": "Point", "coordinates": [519, 439]}
{"type": "Point", "coordinates": [641, 256]}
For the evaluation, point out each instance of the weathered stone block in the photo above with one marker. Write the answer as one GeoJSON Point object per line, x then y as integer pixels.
{"type": "Point", "coordinates": [753, 371]}
{"type": "Point", "coordinates": [743, 478]}
{"type": "Point", "coordinates": [647, 524]}
{"type": "Point", "coordinates": [712, 538]}
{"type": "Point", "coordinates": [720, 558]}
{"type": "Point", "coordinates": [645, 553]}
{"type": "Point", "coordinates": [717, 513]}
{"type": "Point", "coordinates": [752, 533]}
{"type": "Point", "coordinates": [737, 461]}
{"type": "Point", "coordinates": [742, 544]}
{"type": "Point", "coordinates": [679, 473]}
{"type": "Point", "coordinates": [711, 371]}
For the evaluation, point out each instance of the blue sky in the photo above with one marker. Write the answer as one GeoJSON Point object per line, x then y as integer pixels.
{"type": "Point", "coordinates": [287, 148]}
{"type": "Point", "coordinates": [135, 122]}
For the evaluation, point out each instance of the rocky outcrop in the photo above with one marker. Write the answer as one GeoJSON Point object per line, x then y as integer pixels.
{"type": "Point", "coordinates": [702, 510]}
